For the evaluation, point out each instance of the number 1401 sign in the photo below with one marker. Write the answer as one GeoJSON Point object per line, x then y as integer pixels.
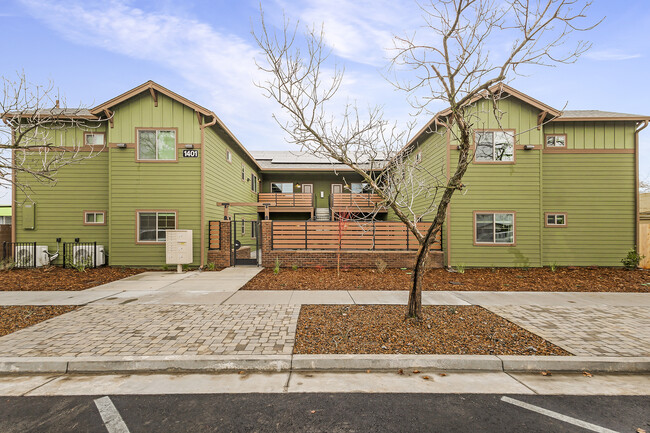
{"type": "Point", "coordinates": [190, 153]}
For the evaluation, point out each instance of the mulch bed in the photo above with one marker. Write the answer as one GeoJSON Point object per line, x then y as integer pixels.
{"type": "Point", "coordinates": [484, 279]}
{"type": "Point", "coordinates": [383, 329]}
{"type": "Point", "coordinates": [14, 318]}
{"type": "Point", "coordinates": [55, 278]}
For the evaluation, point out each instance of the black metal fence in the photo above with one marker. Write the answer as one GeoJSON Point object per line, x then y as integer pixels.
{"type": "Point", "coordinates": [21, 254]}
{"type": "Point", "coordinates": [82, 255]}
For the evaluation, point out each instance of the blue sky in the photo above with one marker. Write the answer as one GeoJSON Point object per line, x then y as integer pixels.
{"type": "Point", "coordinates": [203, 49]}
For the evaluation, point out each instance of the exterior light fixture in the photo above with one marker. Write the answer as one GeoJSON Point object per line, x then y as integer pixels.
{"type": "Point", "coordinates": [297, 185]}
{"type": "Point", "coordinates": [189, 146]}
{"type": "Point", "coordinates": [529, 147]}
{"type": "Point", "coordinates": [121, 145]}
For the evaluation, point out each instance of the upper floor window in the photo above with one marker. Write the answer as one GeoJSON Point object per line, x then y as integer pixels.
{"type": "Point", "coordinates": [418, 157]}
{"type": "Point", "coordinates": [243, 172]}
{"type": "Point", "coordinates": [555, 219]}
{"type": "Point", "coordinates": [285, 188]}
{"type": "Point", "coordinates": [5, 220]}
{"type": "Point", "coordinates": [228, 156]}
{"type": "Point", "coordinates": [359, 188]}
{"type": "Point", "coordinates": [253, 183]}
{"type": "Point", "coordinates": [94, 139]}
{"type": "Point", "coordinates": [156, 144]}
{"type": "Point", "coordinates": [556, 140]}
{"type": "Point", "coordinates": [495, 146]}
{"type": "Point", "coordinates": [494, 228]}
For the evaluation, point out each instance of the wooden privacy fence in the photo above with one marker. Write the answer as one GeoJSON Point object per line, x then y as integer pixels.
{"type": "Point", "coordinates": [346, 235]}
{"type": "Point", "coordinates": [214, 232]}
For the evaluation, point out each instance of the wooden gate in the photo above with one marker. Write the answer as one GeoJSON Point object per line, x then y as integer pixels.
{"type": "Point", "coordinates": [644, 243]}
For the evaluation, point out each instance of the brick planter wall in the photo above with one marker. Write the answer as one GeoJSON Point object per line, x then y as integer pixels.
{"type": "Point", "coordinates": [221, 257]}
{"type": "Point", "coordinates": [328, 258]}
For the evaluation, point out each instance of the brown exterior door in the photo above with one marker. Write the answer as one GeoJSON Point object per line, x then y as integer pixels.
{"type": "Point", "coordinates": [337, 188]}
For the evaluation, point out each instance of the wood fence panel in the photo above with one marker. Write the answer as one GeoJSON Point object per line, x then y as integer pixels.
{"type": "Point", "coordinates": [644, 244]}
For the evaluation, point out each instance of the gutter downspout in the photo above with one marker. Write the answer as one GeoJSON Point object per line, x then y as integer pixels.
{"type": "Point", "coordinates": [203, 150]}
{"type": "Point", "coordinates": [636, 175]}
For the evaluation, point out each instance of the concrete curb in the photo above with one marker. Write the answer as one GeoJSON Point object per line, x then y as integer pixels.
{"type": "Point", "coordinates": [331, 363]}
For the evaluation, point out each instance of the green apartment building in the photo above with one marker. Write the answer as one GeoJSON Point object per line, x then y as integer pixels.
{"type": "Point", "coordinates": [545, 186]}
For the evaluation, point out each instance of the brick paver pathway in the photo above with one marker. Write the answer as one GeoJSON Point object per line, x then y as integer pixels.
{"type": "Point", "coordinates": [151, 330]}
{"type": "Point", "coordinates": [589, 331]}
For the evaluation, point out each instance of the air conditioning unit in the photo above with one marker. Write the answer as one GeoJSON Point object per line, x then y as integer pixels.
{"type": "Point", "coordinates": [84, 255]}
{"type": "Point", "coordinates": [25, 256]}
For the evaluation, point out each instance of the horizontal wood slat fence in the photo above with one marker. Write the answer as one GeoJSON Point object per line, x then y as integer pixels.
{"type": "Point", "coordinates": [353, 201]}
{"type": "Point", "coordinates": [299, 199]}
{"type": "Point", "coordinates": [350, 235]}
{"type": "Point", "coordinates": [214, 232]}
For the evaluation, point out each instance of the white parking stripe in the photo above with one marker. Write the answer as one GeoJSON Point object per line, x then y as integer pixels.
{"type": "Point", "coordinates": [558, 416]}
{"type": "Point", "coordinates": [111, 417]}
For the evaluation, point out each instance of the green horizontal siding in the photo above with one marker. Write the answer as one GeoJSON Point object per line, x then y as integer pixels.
{"type": "Point", "coordinates": [594, 135]}
{"type": "Point", "coordinates": [597, 192]}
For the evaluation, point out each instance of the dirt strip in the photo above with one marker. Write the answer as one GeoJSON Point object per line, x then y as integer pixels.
{"type": "Point", "coordinates": [484, 279]}
{"type": "Point", "coordinates": [55, 278]}
{"type": "Point", "coordinates": [383, 329]}
{"type": "Point", "coordinates": [18, 317]}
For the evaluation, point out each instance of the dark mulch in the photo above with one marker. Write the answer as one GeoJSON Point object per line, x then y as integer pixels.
{"type": "Point", "coordinates": [383, 329]}
{"type": "Point", "coordinates": [483, 279]}
{"type": "Point", "coordinates": [55, 278]}
{"type": "Point", "coordinates": [14, 318]}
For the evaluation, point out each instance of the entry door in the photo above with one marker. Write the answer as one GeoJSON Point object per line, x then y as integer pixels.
{"type": "Point", "coordinates": [246, 243]}
{"type": "Point", "coordinates": [337, 188]}
{"type": "Point", "coordinates": [307, 188]}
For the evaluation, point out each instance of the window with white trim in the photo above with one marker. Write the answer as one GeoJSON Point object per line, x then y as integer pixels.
{"type": "Point", "coordinates": [556, 219]}
{"type": "Point", "coordinates": [556, 140]}
{"type": "Point", "coordinates": [156, 145]}
{"type": "Point", "coordinates": [253, 229]}
{"type": "Point", "coordinates": [94, 217]}
{"type": "Point", "coordinates": [494, 228]}
{"type": "Point", "coordinates": [243, 172]}
{"type": "Point", "coordinates": [228, 156]}
{"type": "Point", "coordinates": [279, 187]}
{"type": "Point", "coordinates": [5, 220]}
{"type": "Point", "coordinates": [253, 183]}
{"type": "Point", "coordinates": [243, 226]}
{"type": "Point", "coordinates": [495, 146]}
{"type": "Point", "coordinates": [418, 157]}
{"type": "Point", "coordinates": [153, 226]}
{"type": "Point", "coordinates": [94, 139]}
{"type": "Point", "coordinates": [359, 188]}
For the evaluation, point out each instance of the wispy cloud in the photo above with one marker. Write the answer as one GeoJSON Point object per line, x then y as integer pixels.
{"type": "Point", "coordinates": [610, 55]}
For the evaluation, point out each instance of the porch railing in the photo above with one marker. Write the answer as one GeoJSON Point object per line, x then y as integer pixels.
{"type": "Point", "coordinates": [352, 202]}
{"type": "Point", "coordinates": [299, 199]}
{"type": "Point", "coordinates": [346, 235]}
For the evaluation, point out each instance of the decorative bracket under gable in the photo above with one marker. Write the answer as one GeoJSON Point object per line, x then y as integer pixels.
{"type": "Point", "coordinates": [154, 96]}
{"type": "Point", "coordinates": [540, 119]}
{"type": "Point", "coordinates": [109, 115]}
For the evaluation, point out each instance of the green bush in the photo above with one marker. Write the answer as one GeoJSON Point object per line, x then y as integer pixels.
{"type": "Point", "coordinates": [632, 260]}
{"type": "Point", "coordinates": [276, 268]}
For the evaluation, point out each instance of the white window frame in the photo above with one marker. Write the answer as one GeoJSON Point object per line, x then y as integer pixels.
{"type": "Point", "coordinates": [94, 221]}
{"type": "Point", "coordinates": [510, 133]}
{"type": "Point", "coordinates": [157, 212]}
{"type": "Point", "coordinates": [90, 134]}
{"type": "Point", "coordinates": [243, 172]}
{"type": "Point", "coordinates": [5, 220]}
{"type": "Point", "coordinates": [229, 156]}
{"type": "Point", "coordinates": [253, 182]}
{"type": "Point", "coordinates": [282, 183]}
{"type": "Point", "coordinates": [243, 226]}
{"type": "Point", "coordinates": [495, 240]}
{"type": "Point", "coordinates": [157, 131]}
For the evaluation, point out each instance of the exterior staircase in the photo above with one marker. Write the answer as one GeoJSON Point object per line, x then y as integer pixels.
{"type": "Point", "coordinates": [322, 214]}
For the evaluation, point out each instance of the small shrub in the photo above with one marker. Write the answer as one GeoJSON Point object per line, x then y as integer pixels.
{"type": "Point", "coordinates": [632, 260]}
{"type": "Point", "coordinates": [381, 265]}
{"type": "Point", "coordinates": [319, 268]}
{"type": "Point", "coordinates": [82, 265]}
{"type": "Point", "coordinates": [7, 265]}
{"type": "Point", "coordinates": [211, 266]}
{"type": "Point", "coordinates": [553, 267]}
{"type": "Point", "coordinates": [276, 268]}
{"type": "Point", "coordinates": [460, 269]}
{"type": "Point", "coordinates": [165, 267]}
{"type": "Point", "coordinates": [186, 267]}
{"type": "Point", "coordinates": [294, 267]}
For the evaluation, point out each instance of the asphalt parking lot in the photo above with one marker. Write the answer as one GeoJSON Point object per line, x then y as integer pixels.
{"type": "Point", "coordinates": [316, 412]}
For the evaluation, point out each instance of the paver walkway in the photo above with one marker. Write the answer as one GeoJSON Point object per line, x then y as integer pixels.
{"type": "Point", "coordinates": [590, 331]}
{"type": "Point", "coordinates": [144, 330]}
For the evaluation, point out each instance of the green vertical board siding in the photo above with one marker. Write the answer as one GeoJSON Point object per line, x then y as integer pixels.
{"type": "Point", "coordinates": [594, 135]}
{"type": "Point", "coordinates": [152, 185]}
{"type": "Point", "coordinates": [597, 193]}
{"type": "Point", "coordinates": [223, 182]}
{"type": "Point", "coordinates": [79, 187]}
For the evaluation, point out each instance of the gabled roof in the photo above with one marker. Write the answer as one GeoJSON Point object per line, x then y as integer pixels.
{"type": "Point", "coordinates": [152, 86]}
{"type": "Point", "coordinates": [286, 160]}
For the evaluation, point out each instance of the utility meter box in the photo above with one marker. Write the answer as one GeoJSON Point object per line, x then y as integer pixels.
{"type": "Point", "coordinates": [179, 247]}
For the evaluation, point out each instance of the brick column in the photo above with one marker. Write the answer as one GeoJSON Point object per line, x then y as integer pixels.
{"type": "Point", "coordinates": [267, 243]}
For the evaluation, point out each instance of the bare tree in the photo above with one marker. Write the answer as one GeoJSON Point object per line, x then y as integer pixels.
{"type": "Point", "coordinates": [33, 142]}
{"type": "Point", "coordinates": [644, 186]}
{"type": "Point", "coordinates": [454, 62]}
